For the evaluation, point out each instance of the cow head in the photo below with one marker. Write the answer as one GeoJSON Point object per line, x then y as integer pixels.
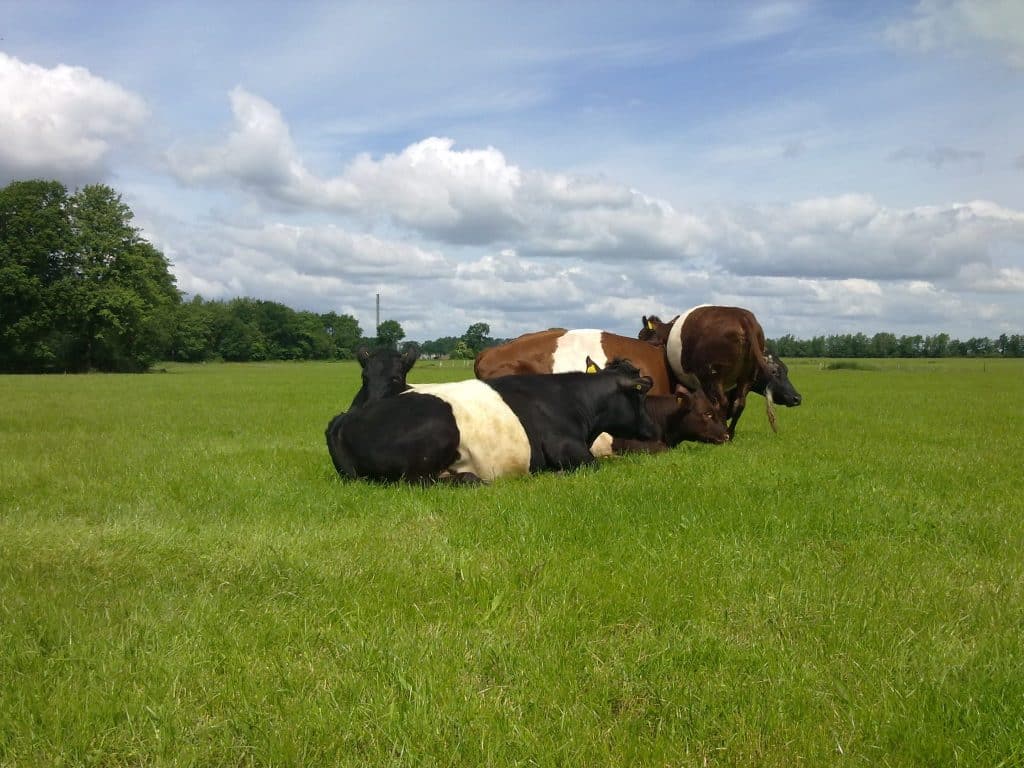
{"type": "Point", "coordinates": [779, 389]}
{"type": "Point", "coordinates": [384, 372]}
{"type": "Point", "coordinates": [654, 330]}
{"type": "Point", "coordinates": [622, 414]}
{"type": "Point", "coordinates": [694, 417]}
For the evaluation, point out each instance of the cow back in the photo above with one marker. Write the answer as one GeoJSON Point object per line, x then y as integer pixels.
{"type": "Point", "coordinates": [561, 351]}
{"type": "Point", "coordinates": [492, 441]}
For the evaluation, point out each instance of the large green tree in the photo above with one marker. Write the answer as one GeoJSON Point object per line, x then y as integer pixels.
{"type": "Point", "coordinates": [80, 289]}
{"type": "Point", "coordinates": [119, 291]}
{"type": "Point", "coordinates": [35, 247]}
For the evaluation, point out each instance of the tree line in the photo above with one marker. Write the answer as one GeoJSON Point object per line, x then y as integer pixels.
{"type": "Point", "coordinates": [81, 289]}
{"type": "Point", "coordinates": [890, 345]}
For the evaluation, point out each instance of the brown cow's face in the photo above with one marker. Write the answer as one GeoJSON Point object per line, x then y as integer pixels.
{"type": "Point", "coordinates": [653, 330]}
{"type": "Point", "coordinates": [696, 418]}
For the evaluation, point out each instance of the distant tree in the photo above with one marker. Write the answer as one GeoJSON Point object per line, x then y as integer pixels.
{"type": "Point", "coordinates": [462, 351]}
{"type": "Point", "coordinates": [476, 337]}
{"type": "Point", "coordinates": [441, 347]}
{"type": "Point", "coordinates": [389, 333]}
{"type": "Point", "coordinates": [344, 332]}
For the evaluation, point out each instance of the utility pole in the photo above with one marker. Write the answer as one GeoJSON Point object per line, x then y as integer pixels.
{"type": "Point", "coordinates": [377, 327]}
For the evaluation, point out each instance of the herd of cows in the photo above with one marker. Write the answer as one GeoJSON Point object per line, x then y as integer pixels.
{"type": "Point", "coordinates": [557, 399]}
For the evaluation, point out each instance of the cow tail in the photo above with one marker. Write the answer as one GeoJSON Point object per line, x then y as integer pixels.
{"type": "Point", "coordinates": [756, 342]}
{"type": "Point", "coordinates": [770, 407]}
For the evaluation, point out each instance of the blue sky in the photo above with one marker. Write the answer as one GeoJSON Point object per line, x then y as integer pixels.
{"type": "Point", "coordinates": [834, 167]}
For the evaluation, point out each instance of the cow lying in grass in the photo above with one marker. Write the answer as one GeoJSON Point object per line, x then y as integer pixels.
{"type": "Point", "coordinates": [680, 417]}
{"type": "Point", "coordinates": [473, 431]}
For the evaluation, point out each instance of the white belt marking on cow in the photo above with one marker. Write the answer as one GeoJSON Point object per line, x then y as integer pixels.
{"type": "Point", "coordinates": [571, 353]}
{"type": "Point", "coordinates": [674, 345]}
{"type": "Point", "coordinates": [573, 348]}
{"type": "Point", "coordinates": [492, 440]}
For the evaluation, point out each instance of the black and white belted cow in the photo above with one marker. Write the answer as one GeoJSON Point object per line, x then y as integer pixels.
{"type": "Point", "coordinates": [472, 431]}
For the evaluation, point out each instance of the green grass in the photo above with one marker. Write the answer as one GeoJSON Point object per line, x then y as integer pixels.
{"type": "Point", "coordinates": [185, 581]}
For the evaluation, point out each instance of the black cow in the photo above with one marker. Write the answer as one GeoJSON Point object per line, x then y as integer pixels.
{"type": "Point", "coordinates": [474, 431]}
{"type": "Point", "coordinates": [384, 372]}
{"type": "Point", "coordinates": [383, 375]}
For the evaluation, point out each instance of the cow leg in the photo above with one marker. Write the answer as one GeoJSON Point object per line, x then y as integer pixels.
{"type": "Point", "coordinates": [567, 454]}
{"type": "Point", "coordinates": [716, 394]}
{"type": "Point", "coordinates": [739, 402]}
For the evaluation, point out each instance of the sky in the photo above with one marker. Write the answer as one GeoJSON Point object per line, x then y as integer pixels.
{"type": "Point", "coordinates": [834, 167]}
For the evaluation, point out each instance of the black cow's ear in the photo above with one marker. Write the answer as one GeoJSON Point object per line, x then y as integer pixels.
{"type": "Point", "coordinates": [410, 356]}
{"type": "Point", "coordinates": [591, 366]}
{"type": "Point", "coordinates": [648, 323]}
{"type": "Point", "coordinates": [363, 355]}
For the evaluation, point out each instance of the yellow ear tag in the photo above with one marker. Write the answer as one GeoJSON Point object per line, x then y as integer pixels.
{"type": "Point", "coordinates": [650, 326]}
{"type": "Point", "coordinates": [591, 368]}
{"type": "Point", "coordinates": [679, 401]}
{"type": "Point", "coordinates": [639, 387]}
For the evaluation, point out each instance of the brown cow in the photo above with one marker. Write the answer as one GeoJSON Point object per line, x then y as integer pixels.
{"type": "Point", "coordinates": [724, 347]}
{"type": "Point", "coordinates": [682, 416]}
{"type": "Point", "coordinates": [557, 350]}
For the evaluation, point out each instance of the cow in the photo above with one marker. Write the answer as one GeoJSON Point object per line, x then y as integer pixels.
{"type": "Point", "coordinates": [678, 417]}
{"type": "Point", "coordinates": [558, 350]}
{"type": "Point", "coordinates": [384, 372]}
{"type": "Point", "coordinates": [476, 431]}
{"type": "Point", "coordinates": [724, 347]}
{"type": "Point", "coordinates": [383, 375]}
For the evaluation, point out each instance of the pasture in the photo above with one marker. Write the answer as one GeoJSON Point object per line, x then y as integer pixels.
{"type": "Point", "coordinates": [185, 581]}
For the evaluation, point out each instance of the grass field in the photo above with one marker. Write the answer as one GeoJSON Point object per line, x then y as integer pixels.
{"type": "Point", "coordinates": [185, 581]}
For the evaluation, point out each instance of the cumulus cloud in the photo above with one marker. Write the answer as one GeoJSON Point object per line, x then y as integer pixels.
{"type": "Point", "coordinates": [937, 157]}
{"type": "Point", "coordinates": [260, 157]}
{"type": "Point", "coordinates": [854, 236]}
{"type": "Point", "coordinates": [962, 25]}
{"type": "Point", "coordinates": [62, 122]}
{"type": "Point", "coordinates": [456, 196]}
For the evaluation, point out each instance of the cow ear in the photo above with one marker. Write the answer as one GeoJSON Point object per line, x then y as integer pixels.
{"type": "Point", "coordinates": [363, 355]}
{"type": "Point", "coordinates": [643, 384]}
{"type": "Point", "coordinates": [591, 366]}
{"type": "Point", "coordinates": [649, 323]}
{"type": "Point", "coordinates": [410, 356]}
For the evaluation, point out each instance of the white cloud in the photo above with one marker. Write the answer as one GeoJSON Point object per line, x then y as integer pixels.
{"type": "Point", "coordinates": [854, 236]}
{"type": "Point", "coordinates": [457, 196]}
{"type": "Point", "coordinates": [62, 122]}
{"type": "Point", "coordinates": [961, 25]}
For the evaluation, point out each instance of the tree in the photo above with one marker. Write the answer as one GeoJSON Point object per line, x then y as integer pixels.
{"type": "Point", "coordinates": [344, 332]}
{"type": "Point", "coordinates": [389, 333]}
{"type": "Point", "coordinates": [476, 337]}
{"type": "Point", "coordinates": [119, 287]}
{"type": "Point", "coordinates": [35, 239]}
{"type": "Point", "coordinates": [461, 351]}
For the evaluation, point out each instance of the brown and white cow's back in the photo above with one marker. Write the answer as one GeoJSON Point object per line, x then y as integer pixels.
{"type": "Point", "coordinates": [559, 351]}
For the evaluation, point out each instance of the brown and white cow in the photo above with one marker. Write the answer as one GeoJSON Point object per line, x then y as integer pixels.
{"type": "Point", "coordinates": [559, 351]}
{"type": "Point", "coordinates": [724, 347]}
